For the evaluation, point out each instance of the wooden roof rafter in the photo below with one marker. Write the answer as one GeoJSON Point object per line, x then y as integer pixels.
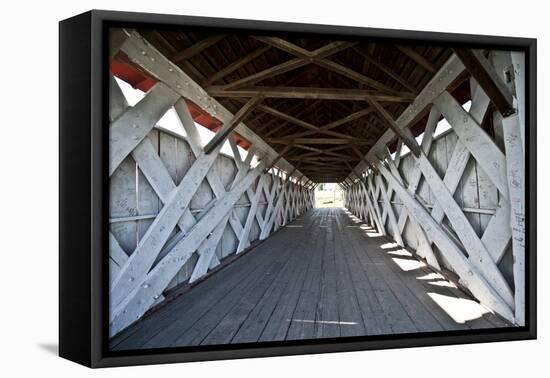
{"type": "Point", "coordinates": [328, 97]}
{"type": "Point", "coordinates": [289, 65]}
{"type": "Point", "coordinates": [330, 65]}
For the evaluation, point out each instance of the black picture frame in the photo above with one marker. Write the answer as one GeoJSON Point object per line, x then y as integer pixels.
{"type": "Point", "coordinates": [83, 196]}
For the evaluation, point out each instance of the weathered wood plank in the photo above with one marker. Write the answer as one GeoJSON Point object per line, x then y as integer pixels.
{"type": "Point", "coordinates": [446, 75]}
{"type": "Point", "coordinates": [172, 321]}
{"type": "Point", "coordinates": [117, 101]}
{"type": "Point", "coordinates": [470, 275]}
{"type": "Point", "coordinates": [423, 248]}
{"type": "Point", "coordinates": [303, 318]}
{"type": "Point", "coordinates": [488, 79]}
{"type": "Point", "coordinates": [150, 245]}
{"type": "Point", "coordinates": [158, 177]}
{"type": "Point", "coordinates": [373, 316]}
{"type": "Point", "coordinates": [308, 93]}
{"type": "Point", "coordinates": [395, 315]}
{"type": "Point", "coordinates": [269, 319]}
{"type": "Point", "coordinates": [389, 211]}
{"type": "Point", "coordinates": [207, 251]}
{"type": "Point", "coordinates": [134, 124]}
{"type": "Point", "coordinates": [213, 178]}
{"type": "Point", "coordinates": [277, 327]}
{"type": "Point", "coordinates": [152, 61]}
{"type": "Point", "coordinates": [417, 57]}
{"type": "Point", "coordinates": [475, 139]}
{"type": "Point", "coordinates": [478, 254]}
{"type": "Point", "coordinates": [235, 65]}
{"type": "Point", "coordinates": [515, 168]}
{"type": "Point", "coordinates": [143, 293]}
{"type": "Point", "coordinates": [229, 324]}
{"type": "Point", "coordinates": [373, 296]}
{"type": "Point", "coordinates": [117, 257]}
{"type": "Point", "coordinates": [217, 312]}
{"type": "Point", "coordinates": [327, 319]}
{"type": "Point", "coordinates": [243, 237]}
{"type": "Point", "coordinates": [222, 134]}
{"type": "Point", "coordinates": [197, 48]}
{"type": "Point", "coordinates": [349, 312]}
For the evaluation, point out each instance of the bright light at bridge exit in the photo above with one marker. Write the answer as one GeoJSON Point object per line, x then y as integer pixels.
{"type": "Point", "coordinates": [329, 195]}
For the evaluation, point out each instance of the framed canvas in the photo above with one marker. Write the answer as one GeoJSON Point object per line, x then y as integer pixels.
{"type": "Point", "coordinates": [234, 188]}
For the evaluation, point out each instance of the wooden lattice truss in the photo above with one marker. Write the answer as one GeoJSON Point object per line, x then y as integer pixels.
{"type": "Point", "coordinates": [311, 99]}
{"type": "Point", "coordinates": [139, 278]}
{"type": "Point", "coordinates": [318, 119]}
{"type": "Point", "coordinates": [379, 192]}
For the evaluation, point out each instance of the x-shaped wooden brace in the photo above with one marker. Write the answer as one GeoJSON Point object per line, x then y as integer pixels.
{"type": "Point", "coordinates": [175, 209]}
{"type": "Point", "coordinates": [318, 58]}
{"type": "Point", "coordinates": [478, 253]}
{"type": "Point", "coordinates": [148, 161]}
{"type": "Point", "coordinates": [290, 203]}
{"type": "Point", "coordinates": [472, 277]}
{"type": "Point", "coordinates": [267, 223]}
{"type": "Point", "coordinates": [140, 299]}
{"type": "Point", "coordinates": [176, 202]}
{"type": "Point", "coordinates": [130, 127]}
{"type": "Point", "coordinates": [273, 212]}
{"type": "Point", "coordinates": [205, 259]}
{"type": "Point", "coordinates": [149, 287]}
{"type": "Point", "coordinates": [291, 64]}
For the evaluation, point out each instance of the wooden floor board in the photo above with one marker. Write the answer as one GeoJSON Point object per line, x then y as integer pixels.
{"type": "Point", "coordinates": [192, 309]}
{"type": "Point", "coordinates": [396, 316]}
{"type": "Point", "coordinates": [303, 319]}
{"type": "Point", "coordinates": [351, 320]}
{"type": "Point", "coordinates": [322, 276]}
{"type": "Point", "coordinates": [214, 314]}
{"type": "Point", "coordinates": [279, 322]}
{"type": "Point", "coordinates": [264, 312]}
{"type": "Point", "coordinates": [327, 317]}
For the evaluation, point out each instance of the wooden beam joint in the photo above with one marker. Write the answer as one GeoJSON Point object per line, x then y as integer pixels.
{"type": "Point", "coordinates": [226, 129]}
{"type": "Point", "coordinates": [484, 73]}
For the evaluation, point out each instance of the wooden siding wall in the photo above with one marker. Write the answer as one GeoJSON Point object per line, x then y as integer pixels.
{"type": "Point", "coordinates": [460, 203]}
{"type": "Point", "coordinates": [134, 203]}
{"type": "Point", "coordinates": [477, 196]}
{"type": "Point", "coordinates": [177, 208]}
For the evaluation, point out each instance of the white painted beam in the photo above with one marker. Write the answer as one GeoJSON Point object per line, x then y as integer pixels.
{"type": "Point", "coordinates": [516, 180]}
{"type": "Point", "coordinates": [142, 53]}
{"type": "Point", "coordinates": [135, 123]}
{"type": "Point", "coordinates": [148, 288]}
{"type": "Point", "coordinates": [469, 274]}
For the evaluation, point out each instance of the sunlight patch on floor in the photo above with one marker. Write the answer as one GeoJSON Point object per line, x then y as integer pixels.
{"type": "Point", "coordinates": [373, 234]}
{"type": "Point", "coordinates": [460, 309]}
{"type": "Point", "coordinates": [443, 283]}
{"type": "Point", "coordinates": [400, 252]}
{"type": "Point", "coordinates": [408, 265]}
{"type": "Point", "coordinates": [369, 231]}
{"type": "Point", "coordinates": [431, 276]}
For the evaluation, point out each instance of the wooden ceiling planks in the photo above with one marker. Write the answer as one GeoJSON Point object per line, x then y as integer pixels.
{"type": "Point", "coordinates": [313, 88]}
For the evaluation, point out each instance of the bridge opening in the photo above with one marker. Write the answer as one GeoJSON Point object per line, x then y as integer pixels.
{"type": "Point", "coordinates": [329, 195]}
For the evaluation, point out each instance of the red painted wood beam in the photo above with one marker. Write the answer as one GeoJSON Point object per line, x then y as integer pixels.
{"type": "Point", "coordinates": [127, 71]}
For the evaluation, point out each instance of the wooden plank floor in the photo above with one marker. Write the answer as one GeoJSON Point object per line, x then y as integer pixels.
{"type": "Point", "coordinates": [324, 275]}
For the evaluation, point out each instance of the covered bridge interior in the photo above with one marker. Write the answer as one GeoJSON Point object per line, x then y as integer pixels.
{"type": "Point", "coordinates": [215, 236]}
